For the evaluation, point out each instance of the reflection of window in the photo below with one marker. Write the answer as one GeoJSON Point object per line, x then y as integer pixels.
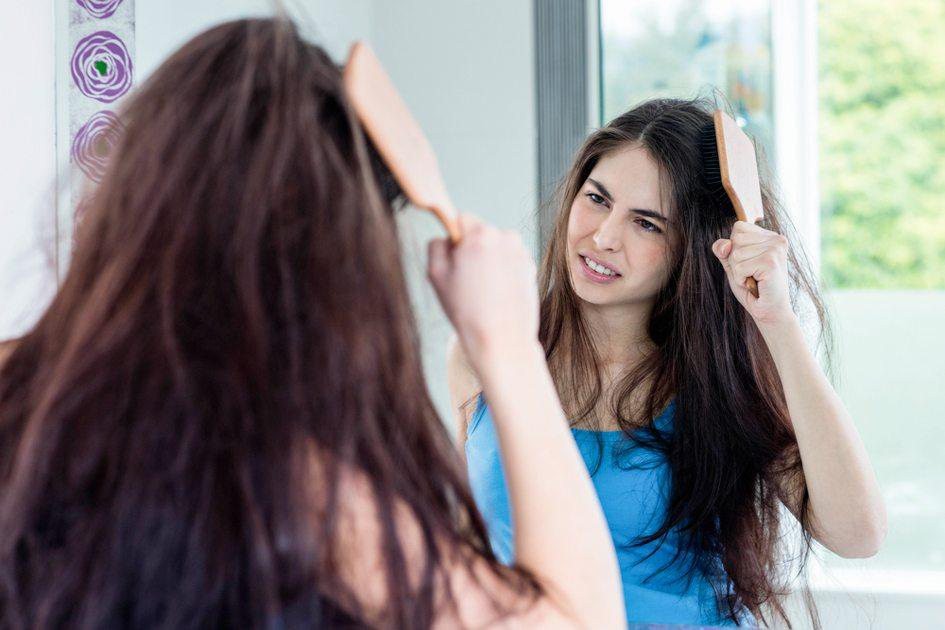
{"type": "Point", "coordinates": [882, 139]}
{"type": "Point", "coordinates": [882, 178]}
{"type": "Point", "coordinates": [682, 48]}
{"type": "Point", "coordinates": [879, 231]}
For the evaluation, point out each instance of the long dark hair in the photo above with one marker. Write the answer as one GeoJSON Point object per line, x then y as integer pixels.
{"type": "Point", "coordinates": [233, 334]}
{"type": "Point", "coordinates": [732, 448]}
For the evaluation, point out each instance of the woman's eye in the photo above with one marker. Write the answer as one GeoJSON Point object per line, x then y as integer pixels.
{"type": "Point", "coordinates": [596, 198]}
{"type": "Point", "coordinates": [646, 225]}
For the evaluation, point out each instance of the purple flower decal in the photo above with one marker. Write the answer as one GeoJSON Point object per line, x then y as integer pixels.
{"type": "Point", "coordinates": [99, 8]}
{"type": "Point", "coordinates": [101, 66]}
{"type": "Point", "coordinates": [94, 141]}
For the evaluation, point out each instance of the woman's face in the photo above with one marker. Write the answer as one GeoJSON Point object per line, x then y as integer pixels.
{"type": "Point", "coordinates": [619, 232]}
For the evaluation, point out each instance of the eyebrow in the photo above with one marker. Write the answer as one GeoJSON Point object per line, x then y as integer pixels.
{"type": "Point", "coordinates": [642, 211]}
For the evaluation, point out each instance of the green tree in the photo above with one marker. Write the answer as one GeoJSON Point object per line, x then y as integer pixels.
{"type": "Point", "coordinates": [882, 139]}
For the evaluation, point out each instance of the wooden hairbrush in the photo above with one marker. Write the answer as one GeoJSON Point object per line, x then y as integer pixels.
{"type": "Point", "coordinates": [397, 136]}
{"type": "Point", "coordinates": [731, 166]}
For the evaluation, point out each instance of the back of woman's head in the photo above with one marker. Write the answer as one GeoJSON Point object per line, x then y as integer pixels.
{"type": "Point", "coordinates": [732, 448]}
{"type": "Point", "coordinates": [235, 310]}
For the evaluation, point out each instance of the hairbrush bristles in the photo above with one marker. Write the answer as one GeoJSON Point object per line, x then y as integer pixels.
{"type": "Point", "coordinates": [711, 168]}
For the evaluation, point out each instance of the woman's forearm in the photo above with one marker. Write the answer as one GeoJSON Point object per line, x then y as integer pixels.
{"type": "Point", "coordinates": [560, 530]}
{"type": "Point", "coordinates": [849, 516]}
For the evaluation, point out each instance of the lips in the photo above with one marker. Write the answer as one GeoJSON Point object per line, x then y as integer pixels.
{"type": "Point", "coordinates": [602, 264]}
{"type": "Point", "coordinates": [596, 277]}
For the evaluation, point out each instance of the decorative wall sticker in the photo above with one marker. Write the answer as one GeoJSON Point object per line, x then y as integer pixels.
{"type": "Point", "coordinates": [102, 67]}
{"type": "Point", "coordinates": [99, 8]}
{"type": "Point", "coordinates": [93, 143]}
{"type": "Point", "coordinates": [96, 59]}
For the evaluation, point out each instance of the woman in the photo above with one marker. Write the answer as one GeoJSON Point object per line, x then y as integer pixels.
{"type": "Point", "coordinates": [221, 420]}
{"type": "Point", "coordinates": [698, 408]}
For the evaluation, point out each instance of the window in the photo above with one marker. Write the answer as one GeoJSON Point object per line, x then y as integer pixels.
{"type": "Point", "coordinates": [881, 90]}
{"type": "Point", "coordinates": [685, 48]}
{"type": "Point", "coordinates": [882, 143]}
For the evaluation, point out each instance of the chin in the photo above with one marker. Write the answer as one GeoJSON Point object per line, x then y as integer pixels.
{"type": "Point", "coordinates": [595, 294]}
{"type": "Point", "coordinates": [605, 296]}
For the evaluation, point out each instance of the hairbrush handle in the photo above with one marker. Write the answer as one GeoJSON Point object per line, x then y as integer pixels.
{"type": "Point", "coordinates": [752, 285]}
{"type": "Point", "coordinates": [448, 216]}
{"type": "Point", "coordinates": [750, 281]}
{"type": "Point", "coordinates": [738, 167]}
{"type": "Point", "coordinates": [397, 136]}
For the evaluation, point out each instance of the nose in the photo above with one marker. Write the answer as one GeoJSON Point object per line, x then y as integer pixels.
{"type": "Point", "coordinates": [607, 236]}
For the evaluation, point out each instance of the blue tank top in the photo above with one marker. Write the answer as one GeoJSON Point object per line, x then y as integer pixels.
{"type": "Point", "coordinates": [632, 483]}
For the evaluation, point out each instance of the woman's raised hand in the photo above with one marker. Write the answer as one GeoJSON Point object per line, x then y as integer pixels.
{"type": "Point", "coordinates": [486, 285]}
{"type": "Point", "coordinates": [754, 251]}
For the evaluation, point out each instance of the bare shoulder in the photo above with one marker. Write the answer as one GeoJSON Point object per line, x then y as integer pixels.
{"type": "Point", "coordinates": [485, 597]}
{"type": "Point", "coordinates": [457, 363]}
{"type": "Point", "coordinates": [463, 386]}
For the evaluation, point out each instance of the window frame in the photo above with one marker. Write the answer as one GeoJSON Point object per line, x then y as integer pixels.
{"type": "Point", "coordinates": [795, 86]}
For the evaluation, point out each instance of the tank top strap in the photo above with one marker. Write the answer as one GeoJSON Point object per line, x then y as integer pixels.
{"type": "Point", "coordinates": [478, 413]}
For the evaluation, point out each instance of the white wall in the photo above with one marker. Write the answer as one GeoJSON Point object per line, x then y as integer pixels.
{"type": "Point", "coordinates": [163, 25]}
{"type": "Point", "coordinates": [892, 380]}
{"type": "Point", "coordinates": [846, 609]}
{"type": "Point", "coordinates": [27, 164]}
{"type": "Point", "coordinates": [466, 70]}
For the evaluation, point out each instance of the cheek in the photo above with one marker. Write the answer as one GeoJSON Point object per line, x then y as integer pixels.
{"type": "Point", "coordinates": [655, 258]}
{"type": "Point", "coordinates": [574, 227]}
{"type": "Point", "coordinates": [581, 223]}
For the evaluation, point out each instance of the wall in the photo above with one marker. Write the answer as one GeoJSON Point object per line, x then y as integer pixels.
{"type": "Point", "coordinates": [466, 70]}
{"type": "Point", "coordinates": [892, 380]}
{"type": "Point", "coordinates": [27, 164]}
{"type": "Point", "coordinates": [163, 25]}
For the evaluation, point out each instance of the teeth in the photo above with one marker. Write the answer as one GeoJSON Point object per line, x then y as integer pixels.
{"type": "Point", "coordinates": [599, 268]}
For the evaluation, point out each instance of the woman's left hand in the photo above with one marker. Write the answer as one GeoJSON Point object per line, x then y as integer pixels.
{"type": "Point", "coordinates": [753, 251]}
